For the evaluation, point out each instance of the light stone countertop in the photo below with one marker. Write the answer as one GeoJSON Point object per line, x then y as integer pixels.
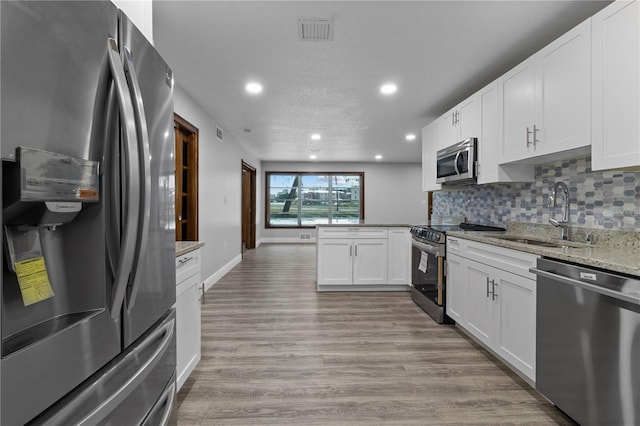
{"type": "Point", "coordinates": [366, 225]}
{"type": "Point", "coordinates": [184, 247]}
{"type": "Point", "coordinates": [617, 251]}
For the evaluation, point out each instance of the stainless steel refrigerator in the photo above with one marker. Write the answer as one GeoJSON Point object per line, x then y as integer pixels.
{"type": "Point", "coordinates": [88, 283]}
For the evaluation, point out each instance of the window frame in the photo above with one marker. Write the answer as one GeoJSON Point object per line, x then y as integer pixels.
{"type": "Point", "coordinates": [267, 198]}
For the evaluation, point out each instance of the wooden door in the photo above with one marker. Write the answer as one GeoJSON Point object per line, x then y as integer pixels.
{"type": "Point", "coordinates": [248, 206]}
{"type": "Point", "coordinates": [186, 137]}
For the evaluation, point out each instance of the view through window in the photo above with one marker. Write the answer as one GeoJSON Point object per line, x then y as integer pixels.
{"type": "Point", "coordinates": [309, 199]}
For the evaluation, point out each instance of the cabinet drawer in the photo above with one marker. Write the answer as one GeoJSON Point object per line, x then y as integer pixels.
{"type": "Point", "coordinates": [514, 261]}
{"type": "Point", "coordinates": [355, 232]}
{"type": "Point", "coordinates": [187, 265]}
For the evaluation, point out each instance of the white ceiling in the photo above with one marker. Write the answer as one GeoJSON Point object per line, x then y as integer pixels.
{"type": "Point", "coordinates": [437, 52]}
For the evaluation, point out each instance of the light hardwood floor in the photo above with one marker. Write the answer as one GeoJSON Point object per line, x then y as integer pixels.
{"type": "Point", "coordinates": [276, 352]}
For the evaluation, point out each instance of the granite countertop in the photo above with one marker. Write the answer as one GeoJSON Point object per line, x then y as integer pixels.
{"type": "Point", "coordinates": [184, 247]}
{"type": "Point", "coordinates": [366, 225]}
{"type": "Point", "coordinates": [617, 251]}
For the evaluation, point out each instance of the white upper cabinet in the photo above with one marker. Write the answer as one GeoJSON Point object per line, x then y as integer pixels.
{"type": "Point", "coordinates": [489, 170]}
{"type": "Point", "coordinates": [546, 100]}
{"type": "Point", "coordinates": [518, 88]}
{"type": "Point", "coordinates": [430, 145]}
{"type": "Point", "coordinates": [616, 86]}
{"type": "Point", "coordinates": [460, 123]}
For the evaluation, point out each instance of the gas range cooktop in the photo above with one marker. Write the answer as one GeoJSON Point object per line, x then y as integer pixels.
{"type": "Point", "coordinates": [437, 233]}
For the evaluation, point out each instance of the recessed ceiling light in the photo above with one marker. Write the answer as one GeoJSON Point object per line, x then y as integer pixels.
{"type": "Point", "coordinates": [378, 157]}
{"type": "Point", "coordinates": [388, 89]}
{"type": "Point", "coordinates": [410, 137]}
{"type": "Point", "coordinates": [253, 88]}
{"type": "Point", "coordinates": [316, 137]}
{"type": "Point", "coordinates": [313, 156]}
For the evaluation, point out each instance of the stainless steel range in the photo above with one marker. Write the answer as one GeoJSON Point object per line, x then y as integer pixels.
{"type": "Point", "coordinates": [428, 271]}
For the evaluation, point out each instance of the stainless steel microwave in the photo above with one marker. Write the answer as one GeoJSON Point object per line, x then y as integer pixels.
{"type": "Point", "coordinates": [457, 163]}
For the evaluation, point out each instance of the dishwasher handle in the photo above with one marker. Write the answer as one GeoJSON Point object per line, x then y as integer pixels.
{"type": "Point", "coordinates": [596, 289]}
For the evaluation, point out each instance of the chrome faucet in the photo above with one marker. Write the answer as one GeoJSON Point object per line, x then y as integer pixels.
{"type": "Point", "coordinates": [564, 223]}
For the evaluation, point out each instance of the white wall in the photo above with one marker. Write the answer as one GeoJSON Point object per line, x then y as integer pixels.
{"type": "Point", "coordinates": [393, 193]}
{"type": "Point", "coordinates": [220, 189]}
{"type": "Point", "coordinates": [141, 14]}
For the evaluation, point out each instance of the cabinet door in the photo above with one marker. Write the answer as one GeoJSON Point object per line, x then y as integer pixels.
{"type": "Point", "coordinates": [450, 132]}
{"type": "Point", "coordinates": [399, 256]}
{"type": "Point", "coordinates": [517, 93]}
{"type": "Point", "coordinates": [479, 308]}
{"type": "Point", "coordinates": [515, 336]}
{"type": "Point", "coordinates": [187, 327]}
{"type": "Point", "coordinates": [468, 119]}
{"type": "Point", "coordinates": [616, 86]}
{"type": "Point", "coordinates": [456, 287]}
{"type": "Point", "coordinates": [564, 92]}
{"type": "Point", "coordinates": [335, 259]}
{"type": "Point", "coordinates": [370, 261]}
{"type": "Point", "coordinates": [488, 139]}
{"type": "Point", "coordinates": [430, 142]}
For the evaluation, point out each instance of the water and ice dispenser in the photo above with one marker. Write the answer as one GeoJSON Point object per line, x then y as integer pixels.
{"type": "Point", "coordinates": [46, 239]}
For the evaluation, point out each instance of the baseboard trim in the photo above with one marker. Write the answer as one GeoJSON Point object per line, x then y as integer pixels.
{"type": "Point", "coordinates": [209, 282]}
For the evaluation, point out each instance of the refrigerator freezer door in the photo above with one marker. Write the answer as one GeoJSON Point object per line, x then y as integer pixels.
{"type": "Point", "coordinates": [128, 389]}
{"type": "Point", "coordinates": [152, 287]}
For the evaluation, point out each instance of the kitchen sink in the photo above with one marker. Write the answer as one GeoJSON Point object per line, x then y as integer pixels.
{"type": "Point", "coordinates": [533, 242]}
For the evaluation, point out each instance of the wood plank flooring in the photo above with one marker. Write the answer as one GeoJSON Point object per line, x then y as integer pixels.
{"type": "Point", "coordinates": [276, 352]}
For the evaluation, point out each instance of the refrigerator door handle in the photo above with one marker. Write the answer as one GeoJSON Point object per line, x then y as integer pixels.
{"type": "Point", "coordinates": [166, 402]}
{"type": "Point", "coordinates": [132, 186]}
{"type": "Point", "coordinates": [72, 412]}
{"type": "Point", "coordinates": [144, 173]}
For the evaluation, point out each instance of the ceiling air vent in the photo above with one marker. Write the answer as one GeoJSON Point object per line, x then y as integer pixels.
{"type": "Point", "coordinates": [315, 29]}
{"type": "Point", "coordinates": [219, 133]}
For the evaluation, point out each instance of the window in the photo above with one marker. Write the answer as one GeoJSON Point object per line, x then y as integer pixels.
{"type": "Point", "coordinates": [297, 199]}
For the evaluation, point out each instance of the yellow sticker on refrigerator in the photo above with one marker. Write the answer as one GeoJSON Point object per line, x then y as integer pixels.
{"type": "Point", "coordinates": [33, 280]}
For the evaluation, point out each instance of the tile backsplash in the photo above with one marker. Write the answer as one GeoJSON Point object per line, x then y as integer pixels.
{"type": "Point", "coordinates": [599, 199]}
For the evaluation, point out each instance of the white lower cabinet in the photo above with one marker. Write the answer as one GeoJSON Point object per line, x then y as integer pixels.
{"type": "Point", "coordinates": [188, 321]}
{"type": "Point", "coordinates": [399, 256]}
{"type": "Point", "coordinates": [352, 261]}
{"type": "Point", "coordinates": [492, 295]}
{"type": "Point", "coordinates": [375, 258]}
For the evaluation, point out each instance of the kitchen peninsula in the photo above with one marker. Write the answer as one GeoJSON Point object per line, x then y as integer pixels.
{"type": "Point", "coordinates": [363, 257]}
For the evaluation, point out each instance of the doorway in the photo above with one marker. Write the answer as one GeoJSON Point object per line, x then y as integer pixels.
{"type": "Point", "coordinates": [186, 135]}
{"type": "Point", "coordinates": [248, 206]}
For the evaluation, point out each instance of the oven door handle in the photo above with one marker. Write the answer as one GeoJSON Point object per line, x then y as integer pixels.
{"type": "Point", "coordinates": [426, 248]}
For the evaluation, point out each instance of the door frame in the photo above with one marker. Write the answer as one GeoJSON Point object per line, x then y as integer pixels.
{"type": "Point", "coordinates": [192, 231]}
{"type": "Point", "coordinates": [248, 229]}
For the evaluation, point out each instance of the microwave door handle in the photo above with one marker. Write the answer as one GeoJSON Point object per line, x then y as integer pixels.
{"type": "Point", "coordinates": [455, 163]}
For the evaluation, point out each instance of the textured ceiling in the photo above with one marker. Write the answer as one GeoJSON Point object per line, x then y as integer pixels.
{"type": "Point", "coordinates": [437, 52]}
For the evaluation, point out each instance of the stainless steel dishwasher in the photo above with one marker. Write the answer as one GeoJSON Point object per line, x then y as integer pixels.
{"type": "Point", "coordinates": [588, 342]}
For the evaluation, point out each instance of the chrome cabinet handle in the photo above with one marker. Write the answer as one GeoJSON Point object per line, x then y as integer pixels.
{"type": "Point", "coordinates": [528, 133]}
{"type": "Point", "coordinates": [356, 250]}
{"type": "Point", "coordinates": [488, 287]}
{"type": "Point", "coordinates": [535, 135]}
{"type": "Point", "coordinates": [183, 261]}
{"type": "Point", "coordinates": [494, 296]}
